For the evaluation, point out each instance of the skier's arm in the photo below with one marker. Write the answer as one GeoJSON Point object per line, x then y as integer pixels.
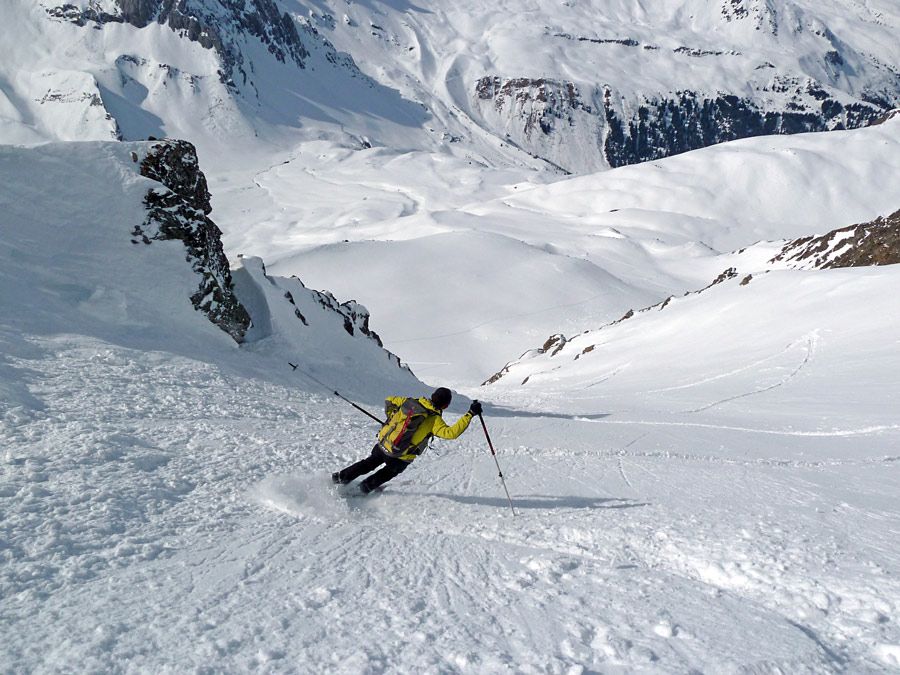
{"type": "Point", "coordinates": [442, 430]}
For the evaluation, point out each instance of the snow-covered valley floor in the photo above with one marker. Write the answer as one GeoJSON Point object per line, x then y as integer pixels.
{"type": "Point", "coordinates": [163, 514]}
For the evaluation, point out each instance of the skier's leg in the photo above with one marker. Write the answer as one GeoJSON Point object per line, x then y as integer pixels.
{"type": "Point", "coordinates": [363, 466]}
{"type": "Point", "coordinates": [392, 467]}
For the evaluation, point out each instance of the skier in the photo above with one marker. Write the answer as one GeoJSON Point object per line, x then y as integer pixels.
{"type": "Point", "coordinates": [411, 423]}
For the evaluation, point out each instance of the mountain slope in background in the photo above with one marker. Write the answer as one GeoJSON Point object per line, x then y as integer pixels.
{"type": "Point", "coordinates": [590, 246]}
{"type": "Point", "coordinates": [579, 86]}
{"type": "Point", "coordinates": [591, 85]}
{"type": "Point", "coordinates": [230, 79]}
{"type": "Point", "coordinates": [112, 240]}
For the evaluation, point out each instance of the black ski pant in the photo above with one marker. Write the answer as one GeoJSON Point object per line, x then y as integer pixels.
{"type": "Point", "coordinates": [392, 467]}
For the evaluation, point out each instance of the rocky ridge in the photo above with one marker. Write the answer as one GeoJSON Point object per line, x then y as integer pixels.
{"type": "Point", "coordinates": [862, 245]}
{"type": "Point", "coordinates": [214, 25]}
{"type": "Point", "coordinates": [602, 127]}
{"type": "Point", "coordinates": [865, 244]}
{"type": "Point", "coordinates": [180, 210]}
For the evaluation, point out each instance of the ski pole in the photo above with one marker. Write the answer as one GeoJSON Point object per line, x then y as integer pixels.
{"type": "Point", "coordinates": [336, 393]}
{"type": "Point", "coordinates": [494, 455]}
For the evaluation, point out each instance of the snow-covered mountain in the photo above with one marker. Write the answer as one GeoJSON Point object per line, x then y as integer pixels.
{"type": "Point", "coordinates": [594, 84]}
{"type": "Point", "coordinates": [709, 485]}
{"type": "Point", "coordinates": [580, 86]}
{"type": "Point", "coordinates": [114, 241]}
{"type": "Point", "coordinates": [566, 256]}
{"type": "Point", "coordinates": [228, 77]}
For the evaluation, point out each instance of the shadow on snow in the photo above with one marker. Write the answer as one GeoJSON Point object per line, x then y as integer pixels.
{"type": "Point", "coordinates": [540, 501]}
{"type": "Point", "coordinates": [498, 411]}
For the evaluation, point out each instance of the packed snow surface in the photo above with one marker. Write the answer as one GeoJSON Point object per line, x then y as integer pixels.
{"type": "Point", "coordinates": [167, 513]}
{"type": "Point", "coordinates": [699, 494]}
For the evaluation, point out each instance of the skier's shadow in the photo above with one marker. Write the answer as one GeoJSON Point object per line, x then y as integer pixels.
{"type": "Point", "coordinates": [541, 501]}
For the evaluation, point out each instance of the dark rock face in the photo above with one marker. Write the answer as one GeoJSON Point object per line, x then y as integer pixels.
{"type": "Point", "coordinates": [180, 211]}
{"type": "Point", "coordinates": [215, 24]}
{"type": "Point", "coordinates": [542, 112]}
{"type": "Point", "coordinates": [81, 17]}
{"type": "Point", "coordinates": [356, 317]}
{"type": "Point", "coordinates": [863, 245]}
{"type": "Point", "coordinates": [175, 165]}
{"type": "Point", "coordinates": [665, 126]}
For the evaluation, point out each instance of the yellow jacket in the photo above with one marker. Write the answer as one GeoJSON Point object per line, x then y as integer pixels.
{"type": "Point", "coordinates": [411, 422]}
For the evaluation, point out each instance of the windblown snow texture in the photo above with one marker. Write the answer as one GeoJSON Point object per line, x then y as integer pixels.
{"type": "Point", "coordinates": [720, 469]}
{"type": "Point", "coordinates": [703, 455]}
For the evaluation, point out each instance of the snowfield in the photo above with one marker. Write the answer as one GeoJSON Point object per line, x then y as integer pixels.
{"type": "Point", "coordinates": [713, 487]}
{"type": "Point", "coordinates": [498, 267]}
{"type": "Point", "coordinates": [710, 486]}
{"type": "Point", "coordinates": [168, 514]}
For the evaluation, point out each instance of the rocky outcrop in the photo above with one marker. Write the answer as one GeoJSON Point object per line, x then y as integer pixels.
{"type": "Point", "coordinates": [887, 116]}
{"type": "Point", "coordinates": [214, 25]}
{"type": "Point", "coordinates": [862, 245]}
{"type": "Point", "coordinates": [356, 317]}
{"type": "Point", "coordinates": [538, 104]}
{"type": "Point", "coordinates": [761, 13]}
{"type": "Point", "coordinates": [552, 346]}
{"type": "Point", "coordinates": [669, 125]}
{"type": "Point", "coordinates": [179, 210]}
{"type": "Point", "coordinates": [579, 131]}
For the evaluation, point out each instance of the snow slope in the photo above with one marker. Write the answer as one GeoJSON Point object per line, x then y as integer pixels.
{"type": "Point", "coordinates": [73, 264]}
{"type": "Point", "coordinates": [804, 331]}
{"type": "Point", "coordinates": [69, 213]}
{"type": "Point", "coordinates": [592, 247]}
{"type": "Point", "coordinates": [167, 513]}
{"type": "Point", "coordinates": [713, 489]}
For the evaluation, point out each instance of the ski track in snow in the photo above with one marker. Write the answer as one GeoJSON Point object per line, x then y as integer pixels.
{"type": "Point", "coordinates": [752, 367]}
{"type": "Point", "coordinates": [190, 510]}
{"type": "Point", "coordinates": [862, 431]}
{"type": "Point", "coordinates": [808, 355]}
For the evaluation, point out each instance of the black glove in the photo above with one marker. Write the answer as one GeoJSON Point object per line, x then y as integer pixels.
{"type": "Point", "coordinates": [475, 409]}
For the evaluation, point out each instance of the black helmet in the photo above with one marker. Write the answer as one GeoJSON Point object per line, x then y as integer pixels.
{"type": "Point", "coordinates": [441, 397]}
